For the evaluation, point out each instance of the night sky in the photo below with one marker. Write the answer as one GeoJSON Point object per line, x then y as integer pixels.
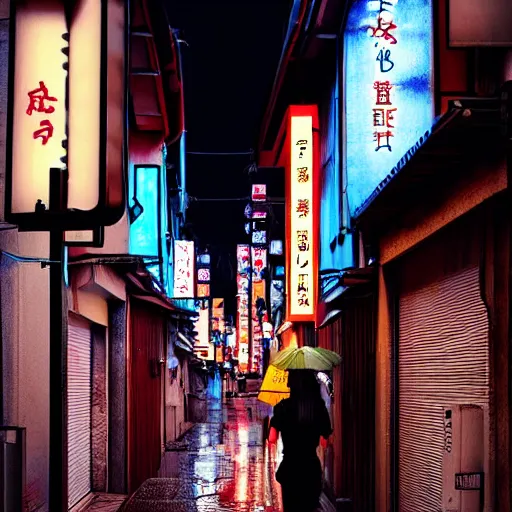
{"type": "Point", "coordinates": [228, 68]}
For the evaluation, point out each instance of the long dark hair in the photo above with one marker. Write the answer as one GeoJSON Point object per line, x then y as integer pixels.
{"type": "Point", "coordinates": [305, 395]}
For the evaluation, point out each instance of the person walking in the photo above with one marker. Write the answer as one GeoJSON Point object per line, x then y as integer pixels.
{"type": "Point", "coordinates": [242, 382]}
{"type": "Point", "coordinates": [303, 422]}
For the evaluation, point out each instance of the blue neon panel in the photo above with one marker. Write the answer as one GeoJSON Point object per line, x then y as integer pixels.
{"type": "Point", "coordinates": [412, 93]}
{"type": "Point", "coordinates": [144, 236]}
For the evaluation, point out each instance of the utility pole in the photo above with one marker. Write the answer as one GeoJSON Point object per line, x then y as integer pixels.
{"type": "Point", "coordinates": [58, 491]}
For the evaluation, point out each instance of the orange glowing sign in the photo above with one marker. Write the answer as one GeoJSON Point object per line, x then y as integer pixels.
{"type": "Point", "coordinates": [302, 218]}
{"type": "Point", "coordinates": [67, 110]}
{"type": "Point", "coordinates": [218, 314]}
{"type": "Point", "coordinates": [203, 290]}
{"type": "Point", "coordinates": [39, 102]}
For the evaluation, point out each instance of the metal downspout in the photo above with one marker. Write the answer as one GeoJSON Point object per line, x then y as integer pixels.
{"type": "Point", "coordinates": [183, 146]}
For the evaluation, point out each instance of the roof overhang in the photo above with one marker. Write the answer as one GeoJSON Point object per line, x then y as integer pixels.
{"type": "Point", "coordinates": [184, 343]}
{"type": "Point", "coordinates": [346, 284]}
{"type": "Point", "coordinates": [313, 33]}
{"type": "Point", "coordinates": [155, 81]}
{"type": "Point", "coordinates": [277, 156]}
{"type": "Point", "coordinates": [143, 286]}
{"type": "Point", "coordinates": [469, 137]}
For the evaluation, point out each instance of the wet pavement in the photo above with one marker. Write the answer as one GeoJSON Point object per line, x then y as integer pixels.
{"type": "Point", "coordinates": [226, 466]}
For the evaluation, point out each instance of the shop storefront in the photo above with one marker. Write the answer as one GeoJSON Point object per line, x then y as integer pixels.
{"type": "Point", "coordinates": [79, 409]}
{"type": "Point", "coordinates": [96, 339]}
{"type": "Point", "coordinates": [350, 332]}
{"type": "Point", "coordinates": [442, 356]}
{"type": "Point", "coordinates": [147, 337]}
{"type": "Point", "coordinates": [443, 319]}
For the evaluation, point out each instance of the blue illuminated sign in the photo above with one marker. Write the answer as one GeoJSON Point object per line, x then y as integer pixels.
{"type": "Point", "coordinates": [144, 232]}
{"type": "Point", "coordinates": [388, 88]}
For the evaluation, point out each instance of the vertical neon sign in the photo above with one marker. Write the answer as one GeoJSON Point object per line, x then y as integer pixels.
{"type": "Point", "coordinates": [385, 34]}
{"type": "Point", "coordinates": [302, 217]}
{"type": "Point", "coordinates": [388, 89]}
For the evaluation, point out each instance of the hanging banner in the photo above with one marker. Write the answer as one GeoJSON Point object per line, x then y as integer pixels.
{"type": "Point", "coordinates": [203, 275]}
{"type": "Point", "coordinates": [203, 349]}
{"type": "Point", "coordinates": [242, 284]}
{"type": "Point", "coordinates": [302, 207]}
{"type": "Point", "coordinates": [203, 290]}
{"type": "Point", "coordinates": [259, 263]}
{"type": "Point", "coordinates": [242, 259]}
{"type": "Point", "coordinates": [243, 331]}
{"type": "Point", "coordinates": [258, 292]}
{"type": "Point", "coordinates": [218, 315]}
{"type": "Point", "coordinates": [184, 258]}
{"type": "Point", "coordinates": [389, 89]}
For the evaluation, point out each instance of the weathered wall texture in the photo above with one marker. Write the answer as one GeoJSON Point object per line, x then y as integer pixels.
{"type": "Point", "coordinates": [457, 199]}
{"type": "Point", "coordinates": [25, 330]}
{"type": "Point", "coordinates": [383, 378]}
{"type": "Point", "coordinates": [117, 449]}
{"type": "Point", "coordinates": [175, 389]}
{"type": "Point", "coordinates": [25, 344]}
{"type": "Point", "coordinates": [99, 412]}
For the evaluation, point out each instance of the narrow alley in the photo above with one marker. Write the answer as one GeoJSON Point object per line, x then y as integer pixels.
{"type": "Point", "coordinates": [229, 227]}
{"type": "Point", "coordinates": [222, 464]}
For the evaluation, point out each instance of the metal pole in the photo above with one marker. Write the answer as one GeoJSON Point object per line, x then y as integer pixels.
{"type": "Point", "coordinates": [183, 142]}
{"type": "Point", "coordinates": [58, 341]}
{"type": "Point", "coordinates": [250, 295]}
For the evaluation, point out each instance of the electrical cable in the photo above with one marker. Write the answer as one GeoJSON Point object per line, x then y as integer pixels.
{"type": "Point", "coordinates": [212, 199]}
{"type": "Point", "coordinates": [5, 226]}
{"type": "Point", "coordinates": [232, 153]}
{"type": "Point", "coordinates": [26, 259]}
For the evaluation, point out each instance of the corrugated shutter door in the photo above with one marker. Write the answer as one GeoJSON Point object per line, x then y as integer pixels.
{"type": "Point", "coordinates": [79, 410]}
{"type": "Point", "coordinates": [443, 360]}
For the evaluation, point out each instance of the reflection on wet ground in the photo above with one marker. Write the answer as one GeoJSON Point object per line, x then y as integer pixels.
{"type": "Point", "coordinates": [226, 467]}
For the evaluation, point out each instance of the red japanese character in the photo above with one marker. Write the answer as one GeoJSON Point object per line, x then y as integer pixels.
{"type": "Point", "coordinates": [383, 92]}
{"type": "Point", "coordinates": [380, 136]}
{"type": "Point", "coordinates": [45, 132]}
{"type": "Point", "coordinates": [303, 240]}
{"type": "Point", "coordinates": [303, 208]}
{"type": "Point", "coordinates": [384, 117]}
{"type": "Point", "coordinates": [383, 29]}
{"type": "Point", "coordinates": [302, 175]}
{"type": "Point", "coordinates": [37, 100]}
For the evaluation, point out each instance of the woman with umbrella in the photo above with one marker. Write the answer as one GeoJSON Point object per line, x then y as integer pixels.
{"type": "Point", "coordinates": [303, 422]}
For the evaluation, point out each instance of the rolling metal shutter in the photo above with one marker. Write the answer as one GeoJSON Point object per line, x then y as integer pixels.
{"type": "Point", "coordinates": [443, 360]}
{"type": "Point", "coordinates": [79, 409]}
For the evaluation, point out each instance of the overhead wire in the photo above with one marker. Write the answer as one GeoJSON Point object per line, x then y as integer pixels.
{"type": "Point", "coordinates": [200, 199]}
{"type": "Point", "coordinates": [217, 153]}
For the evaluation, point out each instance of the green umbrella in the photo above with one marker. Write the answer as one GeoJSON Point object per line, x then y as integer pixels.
{"type": "Point", "coordinates": [306, 358]}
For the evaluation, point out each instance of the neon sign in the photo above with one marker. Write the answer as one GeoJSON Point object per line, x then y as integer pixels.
{"type": "Point", "coordinates": [243, 270]}
{"type": "Point", "coordinates": [388, 88]}
{"type": "Point", "coordinates": [301, 207]}
{"type": "Point", "coordinates": [184, 259]}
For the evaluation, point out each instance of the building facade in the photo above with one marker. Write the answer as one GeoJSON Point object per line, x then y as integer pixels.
{"type": "Point", "coordinates": [343, 305]}
{"type": "Point", "coordinates": [426, 171]}
{"type": "Point", "coordinates": [413, 245]}
{"type": "Point", "coordinates": [129, 353]}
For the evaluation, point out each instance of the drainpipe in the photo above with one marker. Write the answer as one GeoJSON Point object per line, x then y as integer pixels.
{"type": "Point", "coordinates": [183, 146]}
{"type": "Point", "coordinates": [345, 227]}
